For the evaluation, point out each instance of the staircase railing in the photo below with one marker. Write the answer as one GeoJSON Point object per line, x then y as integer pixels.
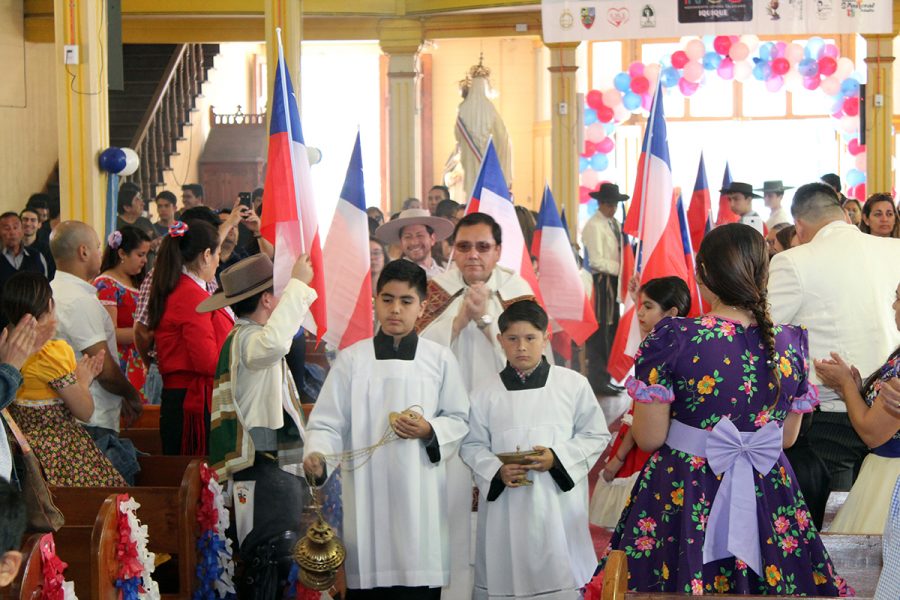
{"type": "Point", "coordinates": [169, 111]}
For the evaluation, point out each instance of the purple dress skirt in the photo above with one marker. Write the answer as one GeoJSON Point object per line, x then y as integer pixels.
{"type": "Point", "coordinates": [717, 508]}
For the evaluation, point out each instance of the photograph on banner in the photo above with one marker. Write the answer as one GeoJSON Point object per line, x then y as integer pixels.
{"type": "Point", "coordinates": [570, 20]}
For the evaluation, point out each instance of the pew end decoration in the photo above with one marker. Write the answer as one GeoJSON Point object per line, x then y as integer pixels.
{"type": "Point", "coordinates": [135, 563]}
{"type": "Point", "coordinates": [215, 565]}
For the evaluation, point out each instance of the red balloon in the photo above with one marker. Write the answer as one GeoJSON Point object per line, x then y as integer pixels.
{"type": "Point", "coordinates": [780, 66]}
{"type": "Point", "coordinates": [595, 99]}
{"type": "Point", "coordinates": [606, 145]}
{"type": "Point", "coordinates": [851, 106]}
{"type": "Point", "coordinates": [589, 149]}
{"type": "Point", "coordinates": [860, 192]}
{"type": "Point", "coordinates": [854, 148]}
{"type": "Point", "coordinates": [640, 85]}
{"type": "Point", "coordinates": [583, 196]}
{"type": "Point", "coordinates": [679, 59]}
{"type": "Point", "coordinates": [722, 44]}
{"type": "Point", "coordinates": [605, 114]}
{"type": "Point", "coordinates": [827, 66]}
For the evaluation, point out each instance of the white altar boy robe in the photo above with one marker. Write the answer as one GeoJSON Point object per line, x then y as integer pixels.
{"type": "Point", "coordinates": [534, 541]}
{"type": "Point", "coordinates": [395, 505]}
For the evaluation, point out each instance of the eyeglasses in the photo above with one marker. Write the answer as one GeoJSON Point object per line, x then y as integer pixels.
{"type": "Point", "coordinates": [481, 247]}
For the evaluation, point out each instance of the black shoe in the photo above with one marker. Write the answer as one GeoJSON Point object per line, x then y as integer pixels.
{"type": "Point", "coordinates": [617, 387]}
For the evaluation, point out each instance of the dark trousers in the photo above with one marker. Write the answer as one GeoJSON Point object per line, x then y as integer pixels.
{"type": "Point", "coordinates": [810, 473]}
{"type": "Point", "coordinates": [834, 440]}
{"type": "Point", "coordinates": [396, 593]}
{"type": "Point", "coordinates": [296, 360]}
{"type": "Point", "coordinates": [597, 347]}
{"type": "Point", "coordinates": [171, 421]}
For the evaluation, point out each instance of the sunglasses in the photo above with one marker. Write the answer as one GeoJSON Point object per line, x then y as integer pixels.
{"type": "Point", "coordinates": [481, 247]}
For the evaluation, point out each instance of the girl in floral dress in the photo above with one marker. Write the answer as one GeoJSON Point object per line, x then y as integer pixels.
{"type": "Point", "coordinates": [656, 299]}
{"type": "Point", "coordinates": [121, 273]}
{"type": "Point", "coordinates": [54, 393]}
{"type": "Point", "coordinates": [716, 508]}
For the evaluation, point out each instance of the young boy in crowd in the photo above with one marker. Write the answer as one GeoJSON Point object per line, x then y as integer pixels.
{"type": "Point", "coordinates": [533, 535]}
{"type": "Point", "coordinates": [12, 526]}
{"type": "Point", "coordinates": [394, 496]}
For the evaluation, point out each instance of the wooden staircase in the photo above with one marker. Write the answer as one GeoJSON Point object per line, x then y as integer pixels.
{"type": "Point", "coordinates": [162, 84]}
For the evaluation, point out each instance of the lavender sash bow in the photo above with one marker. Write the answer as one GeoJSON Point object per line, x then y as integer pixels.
{"type": "Point", "coordinates": [732, 528]}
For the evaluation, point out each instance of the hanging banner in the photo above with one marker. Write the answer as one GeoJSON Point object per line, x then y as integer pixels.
{"type": "Point", "coordinates": [572, 20]}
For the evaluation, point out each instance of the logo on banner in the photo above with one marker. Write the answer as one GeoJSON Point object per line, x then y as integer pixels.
{"type": "Point", "coordinates": [617, 16]}
{"type": "Point", "coordinates": [853, 8]}
{"type": "Point", "coordinates": [566, 20]}
{"type": "Point", "coordinates": [716, 11]}
{"type": "Point", "coordinates": [823, 9]}
{"type": "Point", "coordinates": [648, 16]}
{"type": "Point", "coordinates": [772, 9]}
{"type": "Point", "coordinates": [588, 15]}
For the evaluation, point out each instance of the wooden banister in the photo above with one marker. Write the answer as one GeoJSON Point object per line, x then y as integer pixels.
{"type": "Point", "coordinates": [161, 89]}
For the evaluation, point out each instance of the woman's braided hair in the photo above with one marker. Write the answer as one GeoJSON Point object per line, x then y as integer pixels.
{"type": "Point", "coordinates": [733, 264]}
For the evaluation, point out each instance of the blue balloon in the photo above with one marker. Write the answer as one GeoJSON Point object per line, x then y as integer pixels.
{"type": "Point", "coordinates": [849, 87]}
{"type": "Point", "coordinates": [583, 164]}
{"type": "Point", "coordinates": [591, 206]}
{"type": "Point", "coordinates": [670, 77]}
{"type": "Point", "coordinates": [814, 45]}
{"type": "Point", "coordinates": [590, 116]}
{"type": "Point", "coordinates": [711, 61]}
{"type": "Point", "coordinates": [708, 41]}
{"type": "Point", "coordinates": [762, 71]}
{"type": "Point", "coordinates": [631, 101]}
{"type": "Point", "coordinates": [765, 51]}
{"type": "Point", "coordinates": [808, 67]}
{"type": "Point", "coordinates": [609, 127]}
{"type": "Point", "coordinates": [855, 177]}
{"type": "Point", "coordinates": [112, 160]}
{"type": "Point", "coordinates": [622, 82]}
{"type": "Point", "coordinates": [599, 162]}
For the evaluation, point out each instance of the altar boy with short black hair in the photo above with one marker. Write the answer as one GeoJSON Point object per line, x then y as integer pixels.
{"type": "Point", "coordinates": [533, 539]}
{"type": "Point", "coordinates": [395, 505]}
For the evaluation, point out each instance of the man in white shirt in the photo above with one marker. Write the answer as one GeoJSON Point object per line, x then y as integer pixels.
{"type": "Point", "coordinates": [773, 195]}
{"type": "Point", "coordinates": [602, 238]}
{"type": "Point", "coordinates": [88, 328]}
{"type": "Point", "coordinates": [839, 284]}
{"type": "Point", "coordinates": [256, 435]}
{"type": "Point", "coordinates": [416, 231]}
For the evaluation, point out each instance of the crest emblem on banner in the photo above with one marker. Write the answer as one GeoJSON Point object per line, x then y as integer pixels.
{"type": "Point", "coordinates": [617, 16]}
{"type": "Point", "coordinates": [648, 16]}
{"type": "Point", "coordinates": [566, 20]}
{"type": "Point", "coordinates": [823, 9]}
{"type": "Point", "coordinates": [588, 15]}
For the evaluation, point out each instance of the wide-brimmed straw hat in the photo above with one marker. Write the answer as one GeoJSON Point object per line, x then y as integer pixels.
{"type": "Point", "coordinates": [738, 187]}
{"type": "Point", "coordinates": [776, 185]}
{"type": "Point", "coordinates": [389, 233]}
{"type": "Point", "coordinates": [241, 280]}
{"type": "Point", "coordinates": [608, 192]}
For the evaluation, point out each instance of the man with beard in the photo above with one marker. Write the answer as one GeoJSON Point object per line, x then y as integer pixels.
{"type": "Point", "coordinates": [417, 232]}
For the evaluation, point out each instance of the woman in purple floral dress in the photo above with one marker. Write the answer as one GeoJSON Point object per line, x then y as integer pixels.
{"type": "Point", "coordinates": [716, 509]}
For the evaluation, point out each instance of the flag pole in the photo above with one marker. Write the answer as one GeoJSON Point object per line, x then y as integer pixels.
{"type": "Point", "coordinates": [640, 254]}
{"type": "Point", "coordinates": [288, 126]}
{"type": "Point", "coordinates": [682, 216]}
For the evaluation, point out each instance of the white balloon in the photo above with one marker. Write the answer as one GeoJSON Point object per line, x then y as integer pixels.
{"type": "Point", "coordinates": [751, 40]}
{"type": "Point", "coordinates": [132, 162]}
{"type": "Point", "coordinates": [742, 70]}
{"type": "Point", "coordinates": [314, 155]}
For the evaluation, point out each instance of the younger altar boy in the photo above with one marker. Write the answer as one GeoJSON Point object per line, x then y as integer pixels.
{"type": "Point", "coordinates": [533, 538]}
{"type": "Point", "coordinates": [394, 495]}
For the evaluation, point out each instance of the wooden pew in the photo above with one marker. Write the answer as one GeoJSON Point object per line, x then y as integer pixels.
{"type": "Point", "coordinates": [857, 558]}
{"type": "Point", "coordinates": [149, 418]}
{"type": "Point", "coordinates": [163, 470]}
{"type": "Point", "coordinates": [145, 439]}
{"type": "Point", "coordinates": [170, 512]}
{"type": "Point", "coordinates": [29, 582]}
{"type": "Point", "coordinates": [835, 502]}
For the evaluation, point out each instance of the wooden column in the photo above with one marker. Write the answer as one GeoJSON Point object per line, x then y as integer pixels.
{"type": "Point", "coordinates": [401, 40]}
{"type": "Point", "coordinates": [879, 112]}
{"type": "Point", "coordinates": [564, 130]}
{"type": "Point", "coordinates": [82, 108]}
{"type": "Point", "coordinates": [286, 14]}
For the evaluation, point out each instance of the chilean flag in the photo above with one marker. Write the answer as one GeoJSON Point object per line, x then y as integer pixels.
{"type": "Point", "coordinates": [491, 196]}
{"type": "Point", "coordinates": [725, 213]}
{"type": "Point", "coordinates": [349, 283]}
{"type": "Point", "coordinates": [559, 281]}
{"type": "Point", "coordinates": [289, 219]}
{"type": "Point", "coordinates": [699, 215]}
{"type": "Point", "coordinates": [654, 220]}
{"type": "Point", "coordinates": [689, 262]}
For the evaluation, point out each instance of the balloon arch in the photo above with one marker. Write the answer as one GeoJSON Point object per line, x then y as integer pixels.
{"type": "Point", "coordinates": [815, 65]}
